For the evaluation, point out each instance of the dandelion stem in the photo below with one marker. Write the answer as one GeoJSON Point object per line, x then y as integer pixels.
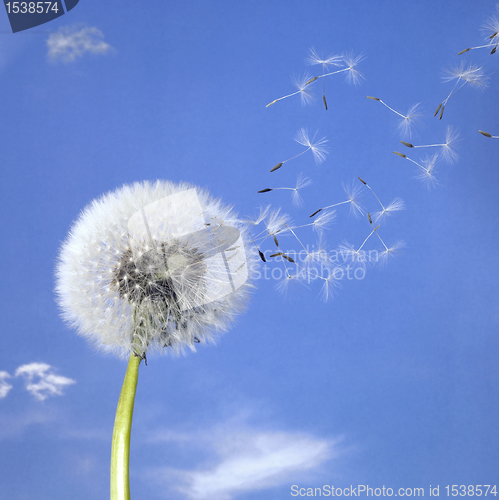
{"type": "Point", "coordinates": [120, 451]}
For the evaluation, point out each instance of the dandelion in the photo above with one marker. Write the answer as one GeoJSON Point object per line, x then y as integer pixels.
{"type": "Point", "coordinates": [394, 206]}
{"type": "Point", "coordinates": [408, 120]}
{"type": "Point", "coordinates": [447, 151]}
{"type": "Point", "coordinates": [318, 148]}
{"type": "Point", "coordinates": [352, 191]}
{"type": "Point", "coordinates": [302, 84]}
{"type": "Point", "coordinates": [301, 182]}
{"type": "Point", "coordinates": [491, 26]}
{"type": "Point", "coordinates": [486, 134]}
{"type": "Point", "coordinates": [462, 74]}
{"type": "Point", "coordinates": [427, 168]}
{"type": "Point", "coordinates": [151, 267]}
{"type": "Point", "coordinates": [330, 61]}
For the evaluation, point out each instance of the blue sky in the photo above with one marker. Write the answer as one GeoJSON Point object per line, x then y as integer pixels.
{"type": "Point", "coordinates": [393, 382]}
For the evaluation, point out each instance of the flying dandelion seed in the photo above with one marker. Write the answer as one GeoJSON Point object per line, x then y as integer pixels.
{"type": "Point", "coordinates": [407, 120]}
{"type": "Point", "coordinates": [492, 29]}
{"type": "Point", "coordinates": [447, 148]}
{"type": "Point", "coordinates": [320, 223]}
{"type": "Point", "coordinates": [301, 183]}
{"type": "Point", "coordinates": [275, 224]}
{"type": "Point", "coordinates": [302, 84]}
{"type": "Point", "coordinates": [427, 169]}
{"type": "Point", "coordinates": [353, 75]}
{"type": "Point", "coordinates": [396, 205]}
{"type": "Point", "coordinates": [318, 148]}
{"type": "Point", "coordinates": [462, 74]}
{"type": "Point", "coordinates": [352, 191]}
{"type": "Point", "coordinates": [332, 60]}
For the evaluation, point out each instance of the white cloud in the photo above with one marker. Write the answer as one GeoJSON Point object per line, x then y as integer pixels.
{"type": "Point", "coordinates": [5, 387]}
{"type": "Point", "coordinates": [247, 461]}
{"type": "Point", "coordinates": [41, 382]}
{"type": "Point", "coordinates": [15, 425]}
{"type": "Point", "coordinates": [71, 42]}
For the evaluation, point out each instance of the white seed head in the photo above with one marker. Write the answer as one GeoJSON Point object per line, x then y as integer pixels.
{"type": "Point", "coordinates": [154, 265]}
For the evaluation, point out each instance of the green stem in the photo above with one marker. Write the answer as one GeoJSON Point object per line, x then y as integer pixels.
{"type": "Point", "coordinates": [120, 452]}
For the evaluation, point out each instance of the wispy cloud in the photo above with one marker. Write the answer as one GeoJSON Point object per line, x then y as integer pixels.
{"type": "Point", "coordinates": [5, 387]}
{"type": "Point", "coordinates": [246, 460]}
{"type": "Point", "coordinates": [71, 42]}
{"type": "Point", "coordinates": [14, 425]}
{"type": "Point", "coordinates": [41, 382]}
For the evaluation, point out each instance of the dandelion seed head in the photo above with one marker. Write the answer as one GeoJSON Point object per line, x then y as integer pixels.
{"type": "Point", "coordinates": [140, 270]}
